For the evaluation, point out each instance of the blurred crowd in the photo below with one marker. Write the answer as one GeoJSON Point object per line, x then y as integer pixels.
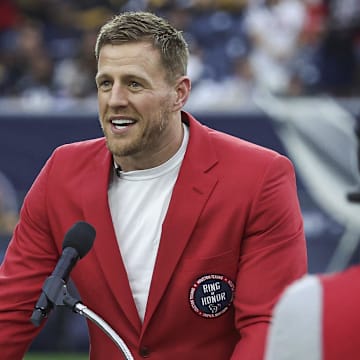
{"type": "Point", "coordinates": [9, 211]}
{"type": "Point", "coordinates": [9, 206]}
{"type": "Point", "coordinates": [287, 47]}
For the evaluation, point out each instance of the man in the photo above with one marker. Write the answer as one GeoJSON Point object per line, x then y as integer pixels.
{"type": "Point", "coordinates": [197, 231]}
{"type": "Point", "coordinates": [317, 317]}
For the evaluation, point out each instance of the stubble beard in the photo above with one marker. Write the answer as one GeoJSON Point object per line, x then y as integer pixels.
{"type": "Point", "coordinates": [147, 139]}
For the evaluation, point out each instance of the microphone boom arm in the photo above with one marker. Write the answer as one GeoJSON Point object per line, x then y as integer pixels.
{"type": "Point", "coordinates": [83, 310]}
{"type": "Point", "coordinates": [55, 293]}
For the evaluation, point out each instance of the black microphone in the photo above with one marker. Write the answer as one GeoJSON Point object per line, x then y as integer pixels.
{"type": "Point", "coordinates": [77, 243]}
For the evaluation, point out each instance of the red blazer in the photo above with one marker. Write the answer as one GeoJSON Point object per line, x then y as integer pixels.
{"type": "Point", "coordinates": [231, 241]}
{"type": "Point", "coordinates": [341, 319]}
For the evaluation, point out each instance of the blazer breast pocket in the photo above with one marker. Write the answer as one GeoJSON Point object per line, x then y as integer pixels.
{"type": "Point", "coordinates": [225, 263]}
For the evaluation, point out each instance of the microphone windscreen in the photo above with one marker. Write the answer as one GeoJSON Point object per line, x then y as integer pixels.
{"type": "Point", "coordinates": [81, 237]}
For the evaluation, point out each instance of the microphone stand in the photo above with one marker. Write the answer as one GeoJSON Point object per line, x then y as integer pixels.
{"type": "Point", "coordinates": [55, 293]}
{"type": "Point", "coordinates": [83, 310]}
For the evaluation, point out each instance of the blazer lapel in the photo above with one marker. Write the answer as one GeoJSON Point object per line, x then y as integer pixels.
{"type": "Point", "coordinates": [193, 187]}
{"type": "Point", "coordinates": [97, 213]}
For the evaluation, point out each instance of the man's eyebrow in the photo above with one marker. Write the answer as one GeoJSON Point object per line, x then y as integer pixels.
{"type": "Point", "coordinates": [100, 75]}
{"type": "Point", "coordinates": [124, 78]}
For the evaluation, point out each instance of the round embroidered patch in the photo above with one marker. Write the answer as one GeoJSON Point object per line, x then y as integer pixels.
{"type": "Point", "coordinates": [211, 295]}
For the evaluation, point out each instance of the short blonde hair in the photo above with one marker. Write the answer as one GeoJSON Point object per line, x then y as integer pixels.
{"type": "Point", "coordinates": [146, 26]}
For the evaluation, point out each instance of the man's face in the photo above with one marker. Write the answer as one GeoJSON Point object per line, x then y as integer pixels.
{"type": "Point", "coordinates": [135, 104]}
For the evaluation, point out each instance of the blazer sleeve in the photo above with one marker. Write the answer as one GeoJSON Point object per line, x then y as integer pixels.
{"type": "Point", "coordinates": [273, 254]}
{"type": "Point", "coordinates": [30, 258]}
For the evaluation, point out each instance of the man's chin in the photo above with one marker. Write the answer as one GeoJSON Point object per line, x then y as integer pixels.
{"type": "Point", "coordinates": [121, 151]}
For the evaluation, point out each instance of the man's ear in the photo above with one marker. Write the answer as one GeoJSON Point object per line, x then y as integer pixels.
{"type": "Point", "coordinates": [182, 89]}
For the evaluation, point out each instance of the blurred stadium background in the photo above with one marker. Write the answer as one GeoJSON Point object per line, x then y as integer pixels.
{"type": "Point", "coordinates": [282, 73]}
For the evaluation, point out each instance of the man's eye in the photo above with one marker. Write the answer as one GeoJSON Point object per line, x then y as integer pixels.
{"type": "Point", "coordinates": [134, 85]}
{"type": "Point", "coordinates": [105, 84]}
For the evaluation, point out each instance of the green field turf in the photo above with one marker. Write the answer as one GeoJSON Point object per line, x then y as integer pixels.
{"type": "Point", "coordinates": [55, 356]}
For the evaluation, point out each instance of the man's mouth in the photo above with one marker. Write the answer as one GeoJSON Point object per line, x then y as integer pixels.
{"type": "Point", "coordinates": [120, 124]}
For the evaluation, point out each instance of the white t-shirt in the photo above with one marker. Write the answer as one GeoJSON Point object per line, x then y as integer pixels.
{"type": "Point", "coordinates": [138, 203]}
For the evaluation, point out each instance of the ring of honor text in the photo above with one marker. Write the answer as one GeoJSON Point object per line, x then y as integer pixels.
{"type": "Point", "coordinates": [211, 295]}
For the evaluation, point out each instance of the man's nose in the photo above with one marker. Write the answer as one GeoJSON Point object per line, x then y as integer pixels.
{"type": "Point", "coordinates": [118, 96]}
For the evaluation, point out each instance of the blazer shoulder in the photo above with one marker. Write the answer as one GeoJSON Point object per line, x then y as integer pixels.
{"type": "Point", "coordinates": [80, 155]}
{"type": "Point", "coordinates": [92, 145]}
{"type": "Point", "coordinates": [232, 152]}
{"type": "Point", "coordinates": [343, 281]}
{"type": "Point", "coordinates": [230, 145]}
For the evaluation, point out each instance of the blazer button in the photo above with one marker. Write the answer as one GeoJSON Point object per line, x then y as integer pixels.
{"type": "Point", "coordinates": [144, 352]}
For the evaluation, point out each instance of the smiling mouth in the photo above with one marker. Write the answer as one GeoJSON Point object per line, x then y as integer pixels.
{"type": "Point", "coordinates": [120, 124]}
